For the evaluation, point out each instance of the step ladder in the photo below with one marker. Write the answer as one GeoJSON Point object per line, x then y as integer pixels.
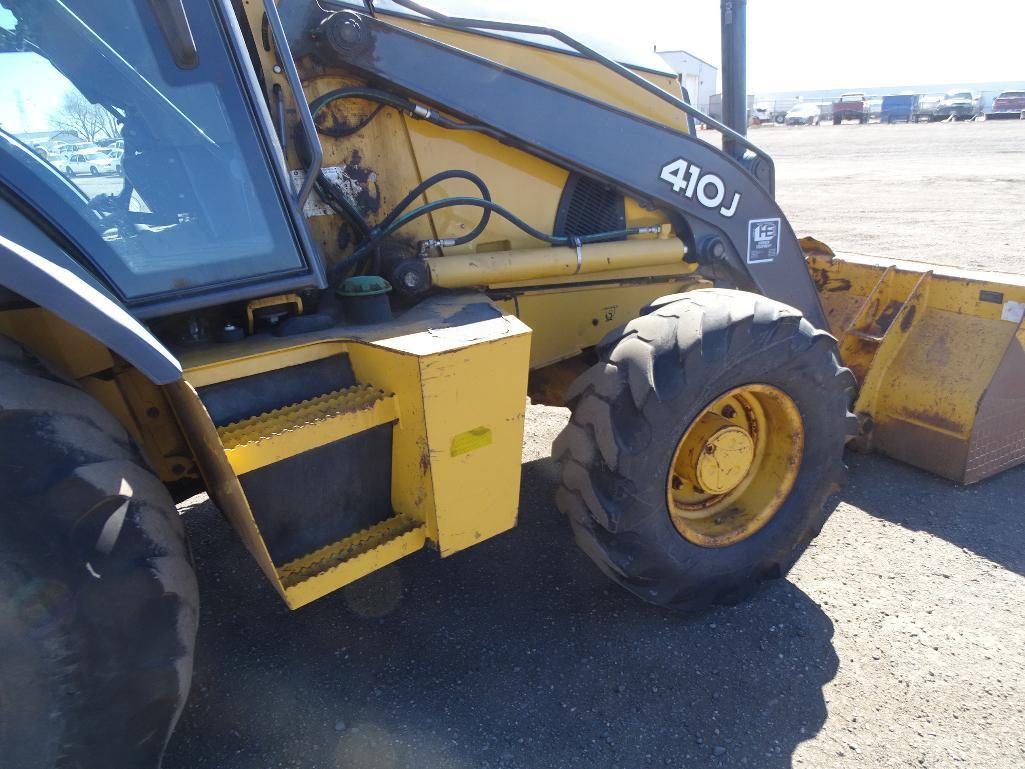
{"type": "Point", "coordinates": [277, 435]}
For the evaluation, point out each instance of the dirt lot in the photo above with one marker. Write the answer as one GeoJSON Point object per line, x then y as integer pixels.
{"type": "Point", "coordinates": [897, 641]}
{"type": "Point", "coordinates": [952, 193]}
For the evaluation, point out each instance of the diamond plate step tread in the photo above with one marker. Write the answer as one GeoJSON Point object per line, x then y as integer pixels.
{"type": "Point", "coordinates": [292, 430]}
{"type": "Point", "coordinates": [298, 415]}
{"type": "Point", "coordinates": [346, 550]}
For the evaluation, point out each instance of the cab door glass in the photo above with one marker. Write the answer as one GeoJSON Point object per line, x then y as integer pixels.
{"type": "Point", "coordinates": [191, 203]}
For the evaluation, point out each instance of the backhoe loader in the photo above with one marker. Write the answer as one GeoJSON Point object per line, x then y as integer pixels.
{"type": "Point", "coordinates": [345, 244]}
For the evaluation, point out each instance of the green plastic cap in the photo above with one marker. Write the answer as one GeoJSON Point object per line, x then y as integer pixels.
{"type": "Point", "coordinates": [364, 285]}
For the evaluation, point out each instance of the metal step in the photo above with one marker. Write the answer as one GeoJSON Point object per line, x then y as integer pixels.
{"type": "Point", "coordinates": [322, 571]}
{"type": "Point", "coordinates": [285, 432]}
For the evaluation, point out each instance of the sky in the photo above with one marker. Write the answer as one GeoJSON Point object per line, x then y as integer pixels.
{"type": "Point", "coordinates": [879, 42]}
{"type": "Point", "coordinates": [30, 92]}
{"type": "Point", "coordinates": [790, 42]}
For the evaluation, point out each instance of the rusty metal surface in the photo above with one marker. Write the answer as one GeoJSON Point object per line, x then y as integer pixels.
{"type": "Point", "coordinates": [937, 358]}
{"type": "Point", "coordinates": [998, 440]}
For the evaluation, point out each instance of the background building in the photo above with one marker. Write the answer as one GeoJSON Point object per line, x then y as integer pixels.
{"type": "Point", "coordinates": [696, 75]}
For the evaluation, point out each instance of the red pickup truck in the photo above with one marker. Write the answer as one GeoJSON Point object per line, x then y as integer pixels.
{"type": "Point", "coordinates": [850, 106]}
{"type": "Point", "coordinates": [1009, 104]}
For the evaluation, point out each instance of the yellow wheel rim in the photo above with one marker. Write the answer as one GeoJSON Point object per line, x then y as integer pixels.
{"type": "Point", "coordinates": [735, 465]}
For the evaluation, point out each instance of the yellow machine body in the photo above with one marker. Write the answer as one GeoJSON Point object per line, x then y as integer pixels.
{"type": "Point", "coordinates": [451, 393]}
{"type": "Point", "coordinates": [939, 356]}
{"type": "Point", "coordinates": [447, 381]}
{"type": "Point", "coordinates": [397, 152]}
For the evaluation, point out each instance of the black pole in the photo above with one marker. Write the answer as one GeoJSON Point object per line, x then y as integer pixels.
{"type": "Point", "coordinates": [734, 71]}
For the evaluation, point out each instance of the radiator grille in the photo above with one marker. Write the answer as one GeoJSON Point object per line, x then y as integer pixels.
{"type": "Point", "coordinates": [588, 207]}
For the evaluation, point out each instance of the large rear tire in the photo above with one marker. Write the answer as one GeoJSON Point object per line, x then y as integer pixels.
{"type": "Point", "coordinates": [632, 412]}
{"type": "Point", "coordinates": [98, 600]}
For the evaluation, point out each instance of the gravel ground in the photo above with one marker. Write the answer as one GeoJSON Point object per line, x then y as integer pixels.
{"type": "Point", "coordinates": [897, 641]}
{"type": "Point", "coordinates": [949, 193]}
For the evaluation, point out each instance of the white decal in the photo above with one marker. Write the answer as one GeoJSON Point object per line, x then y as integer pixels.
{"type": "Point", "coordinates": [694, 172]}
{"type": "Point", "coordinates": [728, 212]}
{"type": "Point", "coordinates": [762, 240]}
{"type": "Point", "coordinates": [711, 201]}
{"type": "Point", "coordinates": [689, 179]}
{"type": "Point", "coordinates": [1013, 311]}
{"type": "Point", "coordinates": [673, 173]}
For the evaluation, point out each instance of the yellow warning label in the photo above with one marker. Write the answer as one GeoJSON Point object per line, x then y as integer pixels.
{"type": "Point", "coordinates": [471, 440]}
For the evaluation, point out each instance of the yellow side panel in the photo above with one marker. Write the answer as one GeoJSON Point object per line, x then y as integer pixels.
{"type": "Point", "coordinates": [77, 353]}
{"type": "Point", "coordinates": [380, 155]}
{"type": "Point", "coordinates": [529, 187]}
{"type": "Point", "coordinates": [412, 485]}
{"type": "Point", "coordinates": [476, 393]}
{"type": "Point", "coordinates": [570, 319]}
{"type": "Point", "coordinates": [457, 445]}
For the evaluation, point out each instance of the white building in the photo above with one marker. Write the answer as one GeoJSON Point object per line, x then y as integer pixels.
{"type": "Point", "coordinates": [696, 75]}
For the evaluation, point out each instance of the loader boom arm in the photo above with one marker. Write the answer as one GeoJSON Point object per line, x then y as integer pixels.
{"type": "Point", "coordinates": [733, 220]}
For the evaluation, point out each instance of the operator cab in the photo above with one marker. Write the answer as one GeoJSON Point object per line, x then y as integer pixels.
{"type": "Point", "coordinates": [199, 213]}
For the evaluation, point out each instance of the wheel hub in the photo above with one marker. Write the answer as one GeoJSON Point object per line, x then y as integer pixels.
{"type": "Point", "coordinates": [722, 452]}
{"type": "Point", "coordinates": [735, 465]}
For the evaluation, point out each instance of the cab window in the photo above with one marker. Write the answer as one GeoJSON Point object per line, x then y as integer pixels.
{"type": "Point", "coordinates": [193, 204]}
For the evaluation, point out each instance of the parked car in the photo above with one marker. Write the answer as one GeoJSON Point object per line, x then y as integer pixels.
{"type": "Point", "coordinates": [74, 148]}
{"type": "Point", "coordinates": [804, 114]}
{"type": "Point", "coordinates": [766, 113]}
{"type": "Point", "coordinates": [850, 106]}
{"type": "Point", "coordinates": [115, 154]}
{"type": "Point", "coordinates": [94, 162]}
{"type": "Point", "coordinates": [1008, 104]}
{"type": "Point", "coordinates": [899, 107]}
{"type": "Point", "coordinates": [927, 104]}
{"type": "Point", "coordinates": [760, 115]}
{"type": "Point", "coordinates": [962, 105]}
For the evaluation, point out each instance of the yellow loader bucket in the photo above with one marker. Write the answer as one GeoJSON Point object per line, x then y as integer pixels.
{"type": "Point", "coordinates": [939, 354]}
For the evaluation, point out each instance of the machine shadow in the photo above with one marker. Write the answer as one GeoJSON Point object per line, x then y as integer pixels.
{"type": "Point", "coordinates": [516, 653]}
{"type": "Point", "coordinates": [985, 518]}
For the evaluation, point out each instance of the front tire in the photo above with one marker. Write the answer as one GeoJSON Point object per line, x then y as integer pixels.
{"type": "Point", "coordinates": [98, 600]}
{"type": "Point", "coordinates": [633, 411]}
